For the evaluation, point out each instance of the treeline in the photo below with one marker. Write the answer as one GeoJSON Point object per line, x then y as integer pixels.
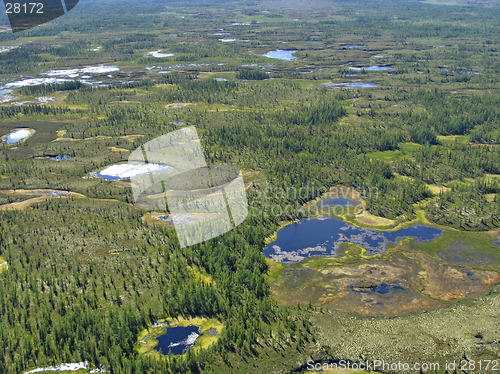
{"type": "Point", "coordinates": [254, 75]}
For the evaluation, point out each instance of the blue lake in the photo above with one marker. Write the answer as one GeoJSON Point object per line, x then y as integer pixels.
{"type": "Point", "coordinates": [370, 68]}
{"type": "Point", "coordinates": [281, 54]}
{"type": "Point", "coordinates": [350, 85]}
{"type": "Point", "coordinates": [177, 123]}
{"type": "Point", "coordinates": [58, 158]}
{"type": "Point", "coordinates": [355, 46]}
{"type": "Point", "coordinates": [177, 339]}
{"type": "Point", "coordinates": [323, 236]}
{"type": "Point", "coordinates": [331, 201]}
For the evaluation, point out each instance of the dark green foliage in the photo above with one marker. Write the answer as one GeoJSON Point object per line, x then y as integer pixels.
{"type": "Point", "coordinates": [254, 75]}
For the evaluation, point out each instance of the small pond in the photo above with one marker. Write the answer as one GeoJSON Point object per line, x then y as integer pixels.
{"type": "Point", "coordinates": [323, 236]}
{"type": "Point", "coordinates": [17, 135]}
{"type": "Point", "coordinates": [331, 201]}
{"type": "Point", "coordinates": [177, 339]}
{"type": "Point", "coordinates": [350, 85]}
{"type": "Point", "coordinates": [369, 68]}
{"type": "Point", "coordinates": [281, 54]}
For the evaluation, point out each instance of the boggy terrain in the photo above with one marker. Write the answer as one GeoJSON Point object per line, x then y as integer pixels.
{"type": "Point", "coordinates": [400, 281]}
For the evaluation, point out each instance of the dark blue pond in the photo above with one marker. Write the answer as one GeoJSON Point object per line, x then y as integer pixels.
{"type": "Point", "coordinates": [177, 339]}
{"type": "Point", "coordinates": [323, 236]}
{"type": "Point", "coordinates": [58, 158]}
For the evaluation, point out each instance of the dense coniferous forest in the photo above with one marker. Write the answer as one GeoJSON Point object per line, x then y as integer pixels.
{"type": "Point", "coordinates": [84, 273]}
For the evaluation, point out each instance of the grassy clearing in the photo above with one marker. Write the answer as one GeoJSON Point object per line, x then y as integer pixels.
{"type": "Point", "coordinates": [200, 275]}
{"type": "Point", "coordinates": [275, 270]}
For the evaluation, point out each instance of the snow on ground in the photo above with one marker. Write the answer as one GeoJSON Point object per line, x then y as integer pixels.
{"type": "Point", "coordinates": [189, 341]}
{"type": "Point", "coordinates": [158, 54]}
{"type": "Point", "coordinates": [122, 171]}
{"type": "Point", "coordinates": [73, 73]}
{"type": "Point", "coordinates": [6, 98]}
{"type": "Point", "coordinates": [7, 48]}
{"type": "Point", "coordinates": [67, 367]}
{"type": "Point", "coordinates": [35, 81]}
{"type": "Point", "coordinates": [61, 367]}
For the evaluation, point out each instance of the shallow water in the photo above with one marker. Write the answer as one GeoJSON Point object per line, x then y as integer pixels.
{"type": "Point", "coordinates": [323, 236]}
{"type": "Point", "coordinates": [370, 68]}
{"type": "Point", "coordinates": [281, 54]}
{"type": "Point", "coordinates": [351, 85]}
{"type": "Point", "coordinates": [177, 339]}
{"type": "Point", "coordinates": [17, 135]}
{"type": "Point", "coordinates": [382, 288]}
{"type": "Point", "coordinates": [177, 123]}
{"type": "Point", "coordinates": [59, 158]}
{"type": "Point", "coordinates": [330, 201]}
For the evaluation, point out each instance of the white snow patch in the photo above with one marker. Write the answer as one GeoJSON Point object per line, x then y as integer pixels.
{"type": "Point", "coordinates": [73, 73]}
{"type": "Point", "coordinates": [123, 171]}
{"type": "Point", "coordinates": [7, 48]}
{"type": "Point", "coordinates": [62, 367]}
{"type": "Point", "coordinates": [158, 54]}
{"type": "Point", "coordinates": [189, 341]}
{"type": "Point", "coordinates": [35, 81]}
